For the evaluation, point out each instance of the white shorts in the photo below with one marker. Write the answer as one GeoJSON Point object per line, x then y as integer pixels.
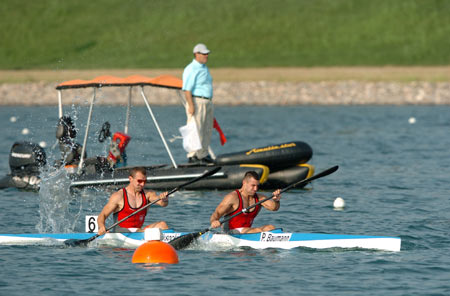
{"type": "Point", "coordinates": [237, 230]}
{"type": "Point", "coordinates": [124, 230]}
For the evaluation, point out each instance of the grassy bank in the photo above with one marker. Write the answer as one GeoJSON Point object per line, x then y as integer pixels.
{"type": "Point", "coordinates": [139, 34]}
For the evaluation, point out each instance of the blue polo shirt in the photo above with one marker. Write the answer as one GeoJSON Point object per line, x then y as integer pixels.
{"type": "Point", "coordinates": [197, 80]}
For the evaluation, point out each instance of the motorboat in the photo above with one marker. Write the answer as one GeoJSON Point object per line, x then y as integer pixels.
{"type": "Point", "coordinates": [277, 164]}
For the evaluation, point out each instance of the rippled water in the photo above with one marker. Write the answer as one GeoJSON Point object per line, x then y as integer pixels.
{"type": "Point", "coordinates": [394, 177]}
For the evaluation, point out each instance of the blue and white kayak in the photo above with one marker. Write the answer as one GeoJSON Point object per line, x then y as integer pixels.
{"type": "Point", "coordinates": [263, 240]}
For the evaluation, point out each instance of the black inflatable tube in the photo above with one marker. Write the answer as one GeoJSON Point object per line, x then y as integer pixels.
{"type": "Point", "coordinates": [276, 157]}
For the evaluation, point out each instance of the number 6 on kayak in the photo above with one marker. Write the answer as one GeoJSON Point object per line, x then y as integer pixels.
{"type": "Point", "coordinates": [91, 223]}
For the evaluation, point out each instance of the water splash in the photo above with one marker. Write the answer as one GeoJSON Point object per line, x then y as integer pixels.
{"type": "Point", "coordinates": [58, 209]}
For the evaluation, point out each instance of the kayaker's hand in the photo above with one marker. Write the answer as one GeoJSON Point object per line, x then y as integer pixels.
{"type": "Point", "coordinates": [215, 224]}
{"type": "Point", "coordinates": [277, 195]}
{"type": "Point", "coordinates": [101, 230]}
{"type": "Point", "coordinates": [163, 196]}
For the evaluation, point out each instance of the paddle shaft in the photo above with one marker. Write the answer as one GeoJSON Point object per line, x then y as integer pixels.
{"type": "Point", "coordinates": [186, 239]}
{"type": "Point", "coordinates": [207, 174]}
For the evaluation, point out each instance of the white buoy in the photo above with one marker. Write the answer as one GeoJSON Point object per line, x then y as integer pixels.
{"type": "Point", "coordinates": [412, 120]}
{"type": "Point", "coordinates": [43, 144]}
{"type": "Point", "coordinates": [339, 203]}
{"type": "Point", "coordinates": [13, 119]}
{"type": "Point", "coordinates": [25, 131]}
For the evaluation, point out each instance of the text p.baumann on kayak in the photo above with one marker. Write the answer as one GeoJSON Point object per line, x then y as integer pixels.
{"type": "Point", "coordinates": [275, 237]}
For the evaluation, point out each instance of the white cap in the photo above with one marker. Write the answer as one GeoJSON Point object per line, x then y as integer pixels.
{"type": "Point", "coordinates": [201, 48]}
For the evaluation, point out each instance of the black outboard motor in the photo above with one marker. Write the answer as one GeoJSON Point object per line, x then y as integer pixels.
{"type": "Point", "coordinates": [26, 159]}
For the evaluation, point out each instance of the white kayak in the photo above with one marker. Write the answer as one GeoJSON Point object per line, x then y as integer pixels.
{"type": "Point", "coordinates": [274, 239]}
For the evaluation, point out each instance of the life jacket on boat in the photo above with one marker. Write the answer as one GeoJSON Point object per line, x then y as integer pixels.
{"type": "Point", "coordinates": [117, 149]}
{"type": "Point", "coordinates": [135, 221]}
{"type": "Point", "coordinates": [244, 219]}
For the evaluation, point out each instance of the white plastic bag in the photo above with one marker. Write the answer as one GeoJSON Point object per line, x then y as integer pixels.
{"type": "Point", "coordinates": [191, 139]}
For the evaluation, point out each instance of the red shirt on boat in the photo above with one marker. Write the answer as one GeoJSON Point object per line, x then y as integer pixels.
{"type": "Point", "coordinates": [135, 221]}
{"type": "Point", "coordinates": [244, 219]}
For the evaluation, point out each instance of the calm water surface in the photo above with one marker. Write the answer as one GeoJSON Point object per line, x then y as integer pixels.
{"type": "Point", "coordinates": [394, 177]}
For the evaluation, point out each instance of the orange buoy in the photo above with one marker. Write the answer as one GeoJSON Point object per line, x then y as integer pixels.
{"type": "Point", "coordinates": [155, 252]}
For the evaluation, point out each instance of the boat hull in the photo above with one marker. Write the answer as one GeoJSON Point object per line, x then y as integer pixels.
{"type": "Point", "coordinates": [277, 165]}
{"type": "Point", "coordinates": [25, 182]}
{"type": "Point", "coordinates": [275, 239]}
{"type": "Point", "coordinates": [166, 178]}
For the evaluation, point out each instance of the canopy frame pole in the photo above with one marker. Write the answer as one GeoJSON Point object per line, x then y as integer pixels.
{"type": "Point", "coordinates": [157, 127]}
{"type": "Point", "coordinates": [127, 118]}
{"type": "Point", "coordinates": [60, 108]}
{"type": "Point", "coordinates": [83, 148]}
{"type": "Point", "coordinates": [60, 113]}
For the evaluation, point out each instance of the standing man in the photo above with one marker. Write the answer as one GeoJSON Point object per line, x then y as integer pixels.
{"type": "Point", "coordinates": [198, 91]}
{"type": "Point", "coordinates": [130, 199]}
{"type": "Point", "coordinates": [240, 199]}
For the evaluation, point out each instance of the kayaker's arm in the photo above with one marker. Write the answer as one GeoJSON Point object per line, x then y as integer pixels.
{"type": "Point", "coordinates": [151, 196]}
{"type": "Point", "coordinates": [112, 205]}
{"type": "Point", "coordinates": [227, 205]}
{"type": "Point", "coordinates": [274, 203]}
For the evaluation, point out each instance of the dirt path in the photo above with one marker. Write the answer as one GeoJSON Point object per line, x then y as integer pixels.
{"type": "Point", "coordinates": [399, 74]}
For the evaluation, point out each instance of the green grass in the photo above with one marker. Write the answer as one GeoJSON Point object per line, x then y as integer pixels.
{"type": "Point", "coordinates": [106, 34]}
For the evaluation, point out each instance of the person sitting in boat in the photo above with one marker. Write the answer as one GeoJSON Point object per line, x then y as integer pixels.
{"type": "Point", "coordinates": [130, 199]}
{"type": "Point", "coordinates": [240, 199]}
{"type": "Point", "coordinates": [66, 134]}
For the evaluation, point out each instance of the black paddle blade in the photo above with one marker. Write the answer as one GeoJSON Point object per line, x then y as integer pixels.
{"type": "Point", "coordinates": [183, 241]}
{"type": "Point", "coordinates": [79, 242]}
{"type": "Point", "coordinates": [75, 243]}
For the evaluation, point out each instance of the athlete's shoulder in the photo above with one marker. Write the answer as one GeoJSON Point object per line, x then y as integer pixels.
{"type": "Point", "coordinates": [119, 192]}
{"type": "Point", "coordinates": [232, 196]}
{"type": "Point", "coordinates": [116, 196]}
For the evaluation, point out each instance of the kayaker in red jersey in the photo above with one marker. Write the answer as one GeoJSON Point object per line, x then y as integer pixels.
{"type": "Point", "coordinates": [240, 199]}
{"type": "Point", "coordinates": [128, 200]}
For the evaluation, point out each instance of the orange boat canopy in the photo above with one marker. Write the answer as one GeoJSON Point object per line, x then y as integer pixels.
{"type": "Point", "coordinates": [167, 81]}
